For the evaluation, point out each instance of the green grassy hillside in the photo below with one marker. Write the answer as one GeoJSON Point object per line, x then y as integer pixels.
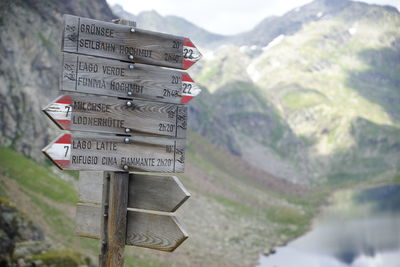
{"type": "Point", "coordinates": [333, 83]}
{"type": "Point", "coordinates": [234, 213]}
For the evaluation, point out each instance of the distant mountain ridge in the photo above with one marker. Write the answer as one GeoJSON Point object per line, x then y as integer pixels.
{"type": "Point", "coordinates": [271, 85]}
{"type": "Point", "coordinates": [151, 20]}
{"type": "Point", "coordinates": [266, 210]}
{"type": "Point", "coordinates": [262, 33]}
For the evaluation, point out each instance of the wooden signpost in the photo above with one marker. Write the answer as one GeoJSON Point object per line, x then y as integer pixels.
{"type": "Point", "coordinates": [123, 42]}
{"type": "Point", "coordinates": [117, 116]}
{"type": "Point", "coordinates": [144, 229]}
{"type": "Point", "coordinates": [137, 120]}
{"type": "Point", "coordinates": [147, 192]}
{"type": "Point", "coordinates": [151, 198]}
{"type": "Point", "coordinates": [117, 153]}
{"type": "Point", "coordinates": [93, 75]}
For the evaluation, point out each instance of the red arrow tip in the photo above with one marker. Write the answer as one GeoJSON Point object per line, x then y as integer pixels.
{"type": "Point", "coordinates": [186, 78]}
{"type": "Point", "coordinates": [64, 139]}
{"type": "Point", "coordinates": [188, 42]}
{"type": "Point", "coordinates": [185, 99]}
{"type": "Point", "coordinates": [66, 99]}
{"type": "Point", "coordinates": [190, 54]}
{"type": "Point", "coordinates": [187, 64]}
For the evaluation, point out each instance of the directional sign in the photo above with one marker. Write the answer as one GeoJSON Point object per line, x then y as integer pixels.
{"type": "Point", "coordinates": [149, 192]}
{"type": "Point", "coordinates": [115, 41]}
{"type": "Point", "coordinates": [92, 75]}
{"type": "Point", "coordinates": [112, 115]}
{"type": "Point", "coordinates": [162, 232]}
{"type": "Point", "coordinates": [154, 192]}
{"type": "Point", "coordinates": [117, 153]}
{"type": "Point", "coordinates": [155, 231]}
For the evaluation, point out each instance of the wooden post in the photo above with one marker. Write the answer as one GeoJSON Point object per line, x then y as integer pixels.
{"type": "Point", "coordinates": [115, 209]}
{"type": "Point", "coordinates": [117, 214]}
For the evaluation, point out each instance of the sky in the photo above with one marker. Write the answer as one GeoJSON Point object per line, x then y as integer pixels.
{"type": "Point", "coordinates": [222, 16]}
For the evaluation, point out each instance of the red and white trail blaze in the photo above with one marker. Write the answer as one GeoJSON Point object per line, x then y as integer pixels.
{"type": "Point", "coordinates": [60, 151]}
{"type": "Point", "coordinates": [190, 54]}
{"type": "Point", "coordinates": [189, 88]}
{"type": "Point", "coordinates": [60, 111]}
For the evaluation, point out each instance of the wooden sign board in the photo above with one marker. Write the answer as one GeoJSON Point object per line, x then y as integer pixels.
{"type": "Point", "coordinates": [90, 187]}
{"type": "Point", "coordinates": [88, 220]}
{"type": "Point", "coordinates": [117, 153]}
{"type": "Point", "coordinates": [155, 231]}
{"type": "Point", "coordinates": [161, 232]}
{"type": "Point", "coordinates": [148, 192]}
{"type": "Point", "coordinates": [92, 75]}
{"type": "Point", "coordinates": [155, 192]}
{"type": "Point", "coordinates": [116, 116]}
{"type": "Point", "coordinates": [122, 42]}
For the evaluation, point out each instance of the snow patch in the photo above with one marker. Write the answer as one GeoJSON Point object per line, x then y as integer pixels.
{"type": "Point", "coordinates": [253, 73]}
{"type": "Point", "coordinates": [274, 42]}
{"type": "Point", "coordinates": [320, 14]}
{"type": "Point", "coordinates": [208, 54]}
{"type": "Point", "coordinates": [243, 48]}
{"type": "Point", "coordinates": [352, 30]}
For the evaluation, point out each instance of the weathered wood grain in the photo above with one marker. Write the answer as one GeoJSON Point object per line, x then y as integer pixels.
{"type": "Point", "coordinates": [105, 39]}
{"type": "Point", "coordinates": [154, 192]}
{"type": "Point", "coordinates": [93, 75]}
{"type": "Point", "coordinates": [90, 187]}
{"type": "Point", "coordinates": [117, 216]}
{"type": "Point", "coordinates": [148, 192]}
{"type": "Point", "coordinates": [143, 229]}
{"type": "Point", "coordinates": [155, 231]}
{"type": "Point", "coordinates": [110, 115]}
{"type": "Point", "coordinates": [88, 220]}
{"type": "Point", "coordinates": [113, 153]}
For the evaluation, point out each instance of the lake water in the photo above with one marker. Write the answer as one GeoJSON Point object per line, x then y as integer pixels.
{"type": "Point", "coordinates": [360, 229]}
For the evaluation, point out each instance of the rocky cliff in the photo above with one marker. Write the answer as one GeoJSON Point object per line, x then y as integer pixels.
{"type": "Point", "coordinates": [288, 96]}
{"type": "Point", "coordinates": [30, 39]}
{"type": "Point", "coordinates": [23, 244]}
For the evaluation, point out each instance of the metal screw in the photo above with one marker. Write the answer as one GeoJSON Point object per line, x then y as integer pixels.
{"type": "Point", "coordinates": [131, 66]}
{"type": "Point", "coordinates": [126, 140]}
{"type": "Point", "coordinates": [130, 93]}
{"type": "Point", "coordinates": [105, 215]}
{"type": "Point", "coordinates": [133, 30]}
{"type": "Point", "coordinates": [129, 104]}
{"type": "Point", "coordinates": [130, 57]}
{"type": "Point", "coordinates": [127, 130]}
{"type": "Point", "coordinates": [125, 167]}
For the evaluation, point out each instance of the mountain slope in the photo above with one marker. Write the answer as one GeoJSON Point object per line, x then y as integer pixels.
{"type": "Point", "coordinates": [29, 69]}
{"type": "Point", "coordinates": [291, 22]}
{"type": "Point", "coordinates": [334, 75]}
{"type": "Point", "coordinates": [151, 20]}
{"type": "Point", "coordinates": [234, 213]}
